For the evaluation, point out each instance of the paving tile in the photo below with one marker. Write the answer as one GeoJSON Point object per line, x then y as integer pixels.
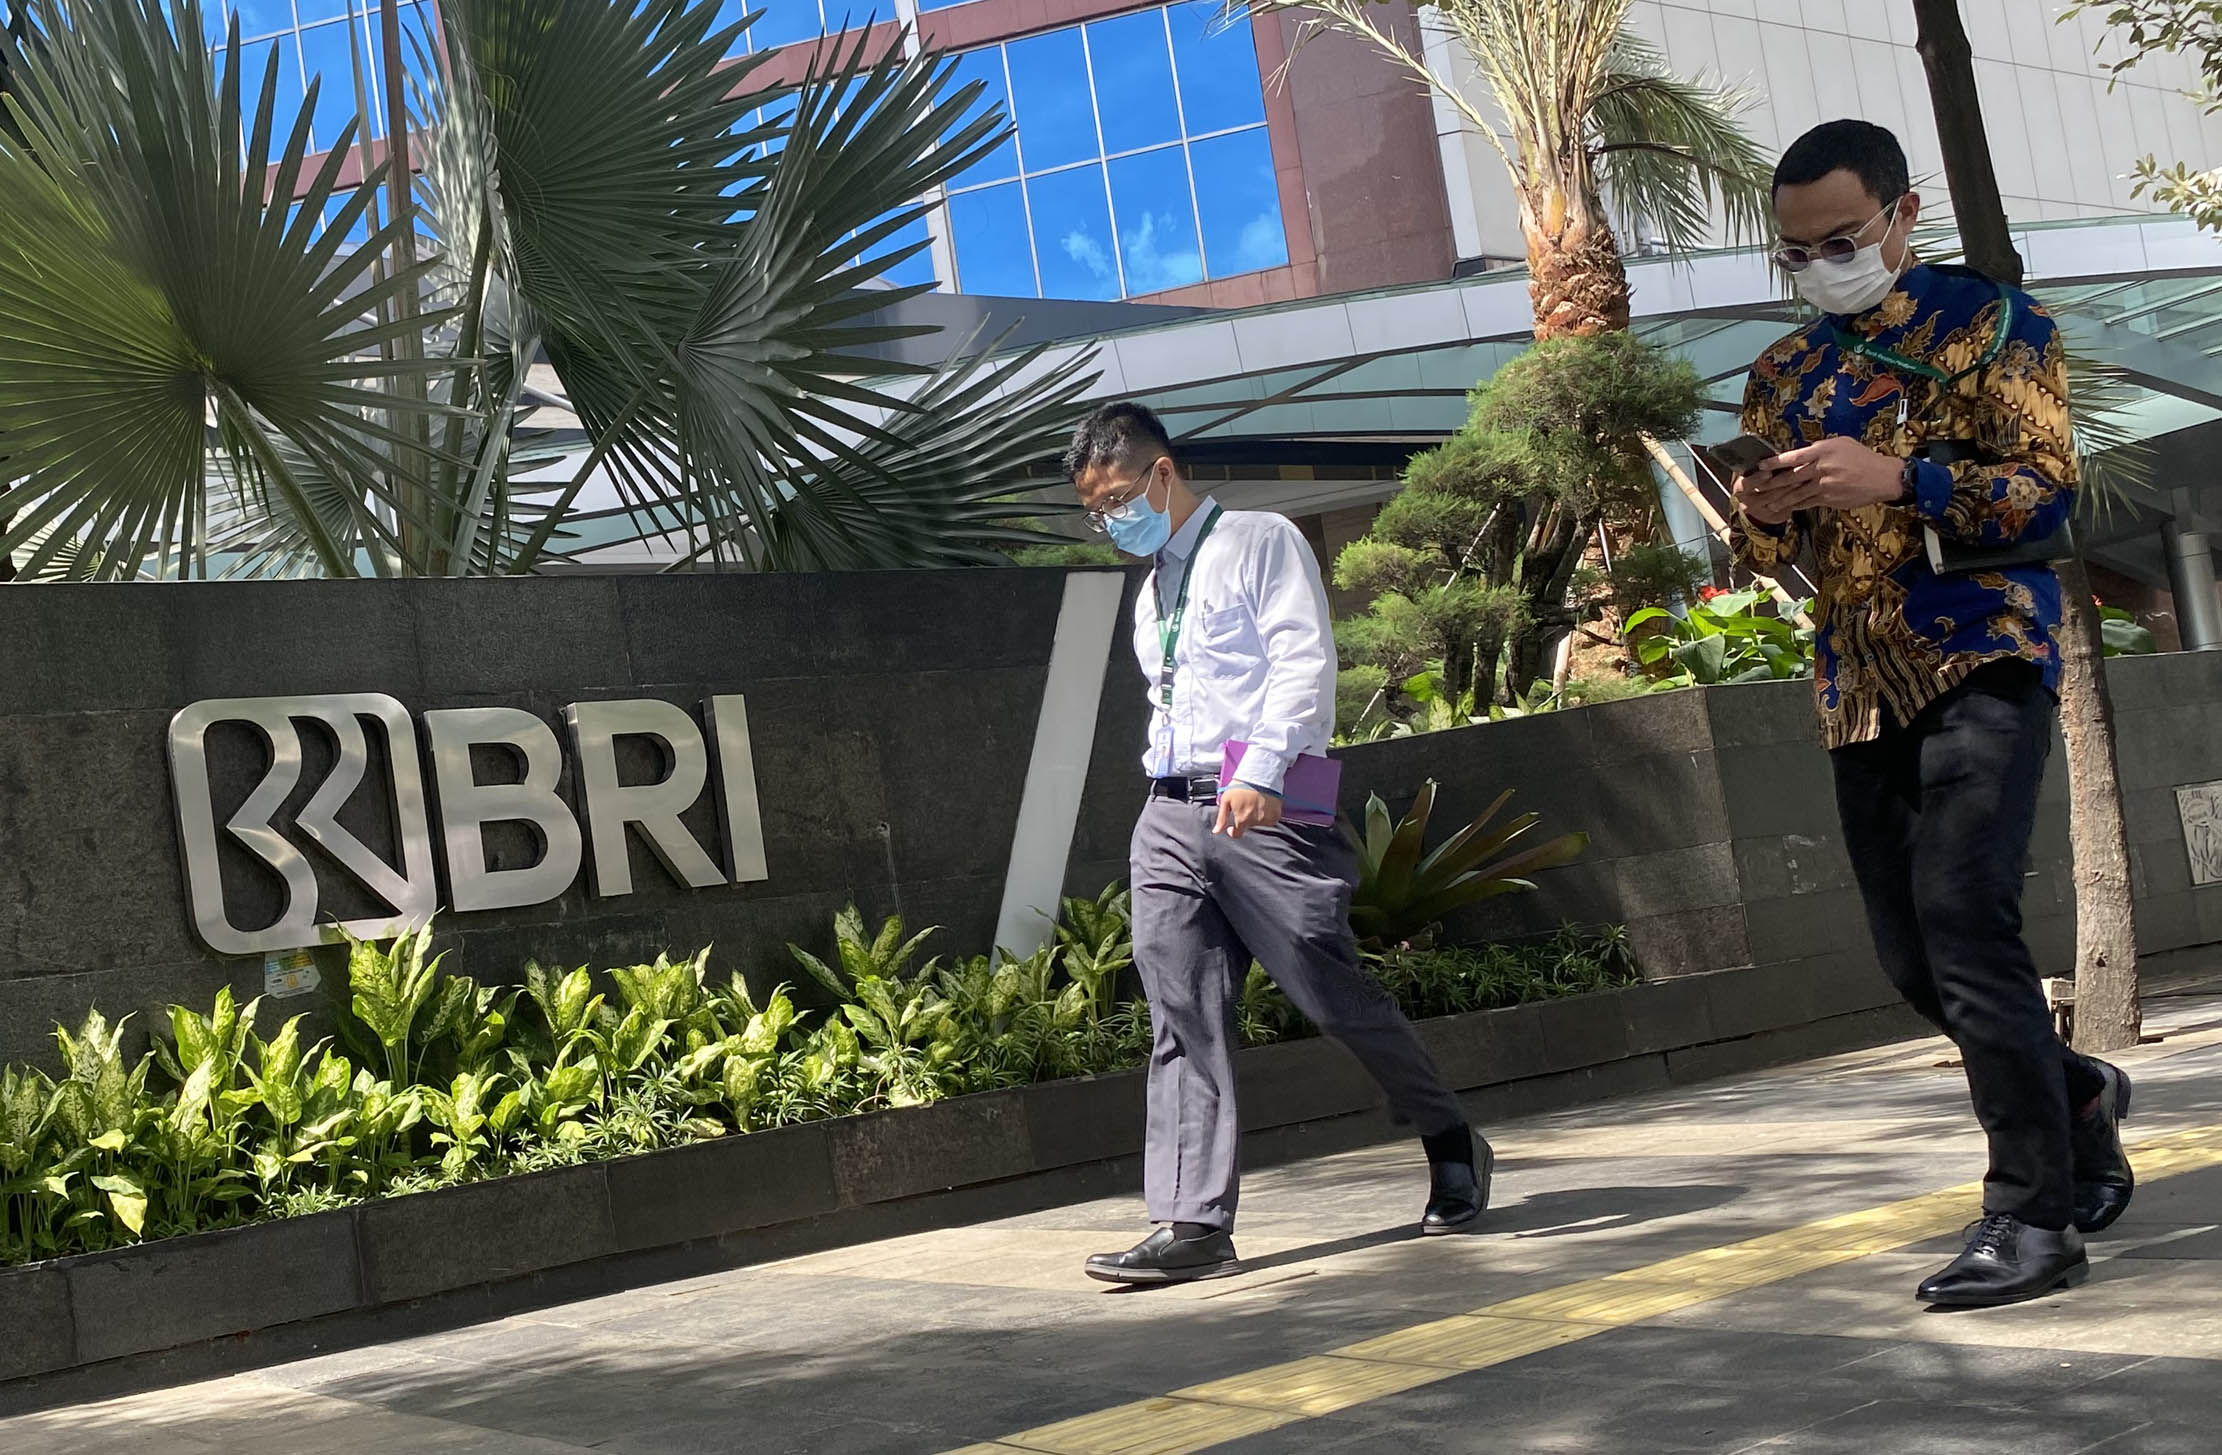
{"type": "Point", "coordinates": [1668, 1212]}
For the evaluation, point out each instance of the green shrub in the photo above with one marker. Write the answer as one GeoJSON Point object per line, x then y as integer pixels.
{"type": "Point", "coordinates": [216, 1125]}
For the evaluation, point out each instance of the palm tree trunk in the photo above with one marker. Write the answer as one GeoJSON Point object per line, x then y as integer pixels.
{"type": "Point", "coordinates": [1575, 278]}
{"type": "Point", "coordinates": [2106, 1010]}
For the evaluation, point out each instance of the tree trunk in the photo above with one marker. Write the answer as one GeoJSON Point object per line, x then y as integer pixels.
{"type": "Point", "coordinates": [2106, 1013]}
{"type": "Point", "coordinates": [2107, 1016]}
{"type": "Point", "coordinates": [1575, 278]}
{"type": "Point", "coordinates": [1973, 183]}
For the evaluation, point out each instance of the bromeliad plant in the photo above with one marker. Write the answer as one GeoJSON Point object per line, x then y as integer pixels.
{"type": "Point", "coordinates": [1405, 889]}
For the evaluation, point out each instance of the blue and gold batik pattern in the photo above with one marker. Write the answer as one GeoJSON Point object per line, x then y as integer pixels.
{"type": "Point", "coordinates": [1893, 634]}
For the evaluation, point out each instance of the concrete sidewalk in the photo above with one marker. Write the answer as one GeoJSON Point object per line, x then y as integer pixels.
{"type": "Point", "coordinates": [1347, 1333]}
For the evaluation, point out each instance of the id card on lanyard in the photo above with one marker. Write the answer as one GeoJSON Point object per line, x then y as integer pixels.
{"type": "Point", "coordinates": [1168, 623]}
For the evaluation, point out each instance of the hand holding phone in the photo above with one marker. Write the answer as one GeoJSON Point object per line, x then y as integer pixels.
{"type": "Point", "coordinates": [1746, 454]}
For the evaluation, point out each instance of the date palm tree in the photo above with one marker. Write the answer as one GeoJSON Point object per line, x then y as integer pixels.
{"type": "Point", "coordinates": [609, 271]}
{"type": "Point", "coordinates": [1585, 112]}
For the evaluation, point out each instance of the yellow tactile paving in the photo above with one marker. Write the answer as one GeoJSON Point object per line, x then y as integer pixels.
{"type": "Point", "coordinates": [1471, 1341]}
{"type": "Point", "coordinates": [1315, 1386]}
{"type": "Point", "coordinates": [1149, 1427]}
{"type": "Point", "coordinates": [1204, 1415]}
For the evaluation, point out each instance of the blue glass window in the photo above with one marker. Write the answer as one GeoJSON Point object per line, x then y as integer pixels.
{"type": "Point", "coordinates": [1219, 84]}
{"type": "Point", "coordinates": [312, 11]}
{"type": "Point", "coordinates": [986, 67]}
{"type": "Point", "coordinates": [1239, 203]}
{"type": "Point", "coordinates": [360, 232]}
{"type": "Point", "coordinates": [1157, 221]}
{"type": "Point", "coordinates": [1134, 82]}
{"type": "Point", "coordinates": [254, 61]}
{"type": "Point", "coordinates": [1049, 100]}
{"type": "Point", "coordinates": [918, 268]}
{"type": "Point", "coordinates": [1154, 108]}
{"type": "Point", "coordinates": [994, 254]}
{"type": "Point", "coordinates": [1072, 234]}
{"type": "Point", "coordinates": [326, 54]}
{"type": "Point", "coordinates": [940, 4]}
{"type": "Point", "coordinates": [263, 17]}
{"type": "Point", "coordinates": [785, 22]}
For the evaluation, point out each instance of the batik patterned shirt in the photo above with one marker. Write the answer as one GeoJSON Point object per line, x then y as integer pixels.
{"type": "Point", "coordinates": [1893, 634]}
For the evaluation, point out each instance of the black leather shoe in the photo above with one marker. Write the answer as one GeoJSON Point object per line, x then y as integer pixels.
{"type": "Point", "coordinates": [2008, 1261]}
{"type": "Point", "coordinates": [2103, 1180]}
{"type": "Point", "coordinates": [1458, 1192]}
{"type": "Point", "coordinates": [1166, 1257]}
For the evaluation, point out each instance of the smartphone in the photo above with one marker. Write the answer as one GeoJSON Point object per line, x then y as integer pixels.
{"type": "Point", "coordinates": [1739, 456]}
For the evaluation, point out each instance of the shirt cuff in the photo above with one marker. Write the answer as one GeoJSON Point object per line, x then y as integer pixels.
{"type": "Point", "coordinates": [1262, 770]}
{"type": "Point", "coordinates": [1257, 788]}
{"type": "Point", "coordinates": [1773, 532]}
{"type": "Point", "coordinates": [1932, 491]}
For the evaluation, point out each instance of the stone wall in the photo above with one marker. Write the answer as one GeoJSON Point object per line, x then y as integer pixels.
{"type": "Point", "coordinates": [893, 719]}
{"type": "Point", "coordinates": [1713, 821]}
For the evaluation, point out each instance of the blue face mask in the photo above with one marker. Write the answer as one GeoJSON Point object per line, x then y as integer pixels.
{"type": "Point", "coordinates": [1140, 528]}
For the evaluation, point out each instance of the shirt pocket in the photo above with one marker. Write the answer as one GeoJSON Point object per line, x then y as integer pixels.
{"type": "Point", "coordinates": [1226, 642]}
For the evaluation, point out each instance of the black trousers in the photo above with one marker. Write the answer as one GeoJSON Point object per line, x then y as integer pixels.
{"type": "Point", "coordinates": [1937, 816]}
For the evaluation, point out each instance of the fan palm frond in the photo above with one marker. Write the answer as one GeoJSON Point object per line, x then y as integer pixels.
{"type": "Point", "coordinates": [157, 283]}
{"type": "Point", "coordinates": [1674, 153]}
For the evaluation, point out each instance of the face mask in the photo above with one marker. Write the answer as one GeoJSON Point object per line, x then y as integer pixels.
{"type": "Point", "coordinates": [1140, 528]}
{"type": "Point", "coordinates": [1853, 286]}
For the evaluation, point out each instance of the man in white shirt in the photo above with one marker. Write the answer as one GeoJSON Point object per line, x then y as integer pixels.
{"type": "Point", "coordinates": [1233, 634]}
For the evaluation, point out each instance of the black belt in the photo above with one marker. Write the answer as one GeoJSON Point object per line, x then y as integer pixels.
{"type": "Point", "coordinates": [1186, 790]}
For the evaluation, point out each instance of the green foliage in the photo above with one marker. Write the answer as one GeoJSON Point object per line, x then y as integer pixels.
{"type": "Point", "coordinates": [1405, 889]}
{"type": "Point", "coordinates": [1476, 558]}
{"type": "Point", "coordinates": [1584, 404]}
{"type": "Point", "coordinates": [239, 1127]}
{"type": "Point", "coordinates": [1723, 639]}
{"type": "Point", "coordinates": [1649, 573]}
{"type": "Point", "coordinates": [2123, 636]}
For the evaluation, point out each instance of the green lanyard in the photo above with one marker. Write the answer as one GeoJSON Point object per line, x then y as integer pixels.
{"type": "Point", "coordinates": [1853, 343]}
{"type": "Point", "coordinates": [1168, 626]}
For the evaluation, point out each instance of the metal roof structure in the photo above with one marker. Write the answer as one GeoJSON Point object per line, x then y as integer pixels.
{"type": "Point", "coordinates": [1303, 403]}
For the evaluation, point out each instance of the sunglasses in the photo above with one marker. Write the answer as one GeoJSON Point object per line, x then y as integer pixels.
{"type": "Point", "coordinates": [1796, 257]}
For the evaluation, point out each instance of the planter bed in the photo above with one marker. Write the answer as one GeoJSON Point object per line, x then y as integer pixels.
{"type": "Point", "coordinates": [178, 1308]}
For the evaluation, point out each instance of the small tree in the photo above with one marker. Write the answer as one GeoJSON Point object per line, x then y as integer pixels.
{"type": "Point", "coordinates": [1473, 566]}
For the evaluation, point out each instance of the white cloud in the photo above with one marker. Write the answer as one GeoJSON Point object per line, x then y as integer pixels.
{"type": "Point", "coordinates": [1149, 270]}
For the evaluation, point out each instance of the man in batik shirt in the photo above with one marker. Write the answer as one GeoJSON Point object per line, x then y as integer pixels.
{"type": "Point", "coordinates": [1924, 416]}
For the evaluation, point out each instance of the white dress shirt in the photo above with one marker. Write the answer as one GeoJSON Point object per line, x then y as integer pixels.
{"type": "Point", "coordinates": [1255, 662]}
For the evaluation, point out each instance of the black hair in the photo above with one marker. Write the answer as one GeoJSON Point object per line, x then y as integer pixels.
{"type": "Point", "coordinates": [1862, 148]}
{"type": "Point", "coordinates": [1123, 434]}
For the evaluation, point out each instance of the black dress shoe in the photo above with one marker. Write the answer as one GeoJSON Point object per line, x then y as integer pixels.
{"type": "Point", "coordinates": [2103, 1180]}
{"type": "Point", "coordinates": [2008, 1261]}
{"type": "Point", "coordinates": [1167, 1257]}
{"type": "Point", "coordinates": [1458, 1192]}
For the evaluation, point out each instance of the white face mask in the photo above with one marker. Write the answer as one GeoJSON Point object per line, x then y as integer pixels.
{"type": "Point", "coordinates": [1848, 285]}
{"type": "Point", "coordinates": [1853, 286]}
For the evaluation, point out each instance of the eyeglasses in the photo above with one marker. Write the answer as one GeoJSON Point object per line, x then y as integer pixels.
{"type": "Point", "coordinates": [1118, 507]}
{"type": "Point", "coordinates": [1796, 257]}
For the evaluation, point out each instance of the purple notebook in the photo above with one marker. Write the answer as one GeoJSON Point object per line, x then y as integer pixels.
{"type": "Point", "coordinates": [1308, 791]}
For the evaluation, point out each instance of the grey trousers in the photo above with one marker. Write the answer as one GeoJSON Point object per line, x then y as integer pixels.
{"type": "Point", "coordinates": [1205, 906]}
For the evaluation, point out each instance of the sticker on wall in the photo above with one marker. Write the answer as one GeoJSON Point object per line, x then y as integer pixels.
{"type": "Point", "coordinates": [287, 973]}
{"type": "Point", "coordinates": [2200, 807]}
